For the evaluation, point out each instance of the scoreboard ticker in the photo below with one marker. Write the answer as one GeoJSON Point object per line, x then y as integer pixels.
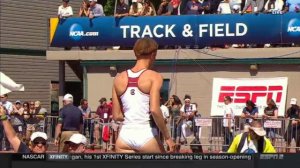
{"type": "Point", "coordinates": [112, 160]}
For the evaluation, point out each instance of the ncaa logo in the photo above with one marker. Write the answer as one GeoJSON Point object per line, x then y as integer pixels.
{"type": "Point", "coordinates": [293, 28]}
{"type": "Point", "coordinates": [76, 32]}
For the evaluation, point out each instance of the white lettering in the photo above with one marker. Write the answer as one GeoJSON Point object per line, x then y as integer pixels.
{"type": "Point", "coordinates": [202, 29]}
{"type": "Point", "coordinates": [238, 27]}
{"type": "Point", "coordinates": [211, 30]}
{"type": "Point", "coordinates": [155, 31]}
{"type": "Point", "coordinates": [147, 32]}
{"type": "Point", "coordinates": [294, 29]}
{"type": "Point", "coordinates": [169, 31]}
{"type": "Point", "coordinates": [135, 30]}
{"type": "Point", "coordinates": [124, 28]}
{"type": "Point", "coordinates": [219, 30]}
{"type": "Point", "coordinates": [228, 34]}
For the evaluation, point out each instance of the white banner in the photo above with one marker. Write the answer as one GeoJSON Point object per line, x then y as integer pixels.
{"type": "Point", "coordinates": [242, 89]}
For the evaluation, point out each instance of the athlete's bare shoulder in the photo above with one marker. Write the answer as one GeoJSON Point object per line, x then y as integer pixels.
{"type": "Point", "coordinates": [120, 79]}
{"type": "Point", "coordinates": [152, 76]}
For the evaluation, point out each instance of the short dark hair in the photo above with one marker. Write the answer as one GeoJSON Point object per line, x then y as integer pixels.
{"type": "Point", "coordinates": [103, 99]}
{"type": "Point", "coordinates": [250, 103]}
{"type": "Point", "coordinates": [187, 97]}
{"type": "Point", "coordinates": [82, 101]}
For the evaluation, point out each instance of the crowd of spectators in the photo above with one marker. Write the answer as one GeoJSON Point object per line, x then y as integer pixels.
{"type": "Point", "coordinates": [23, 124]}
{"type": "Point", "coordinates": [93, 9]}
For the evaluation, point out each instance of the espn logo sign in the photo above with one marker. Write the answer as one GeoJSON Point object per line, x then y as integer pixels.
{"type": "Point", "coordinates": [240, 94]}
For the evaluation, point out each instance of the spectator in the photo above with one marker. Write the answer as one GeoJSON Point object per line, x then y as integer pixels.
{"type": "Point", "coordinates": [187, 113]}
{"type": "Point", "coordinates": [122, 9]}
{"type": "Point", "coordinates": [206, 5]}
{"type": "Point", "coordinates": [65, 10]}
{"type": "Point", "coordinates": [38, 139]}
{"type": "Point", "coordinates": [41, 113]}
{"type": "Point", "coordinates": [8, 107]}
{"type": "Point", "coordinates": [104, 113]}
{"type": "Point", "coordinates": [256, 6]}
{"type": "Point", "coordinates": [253, 141]}
{"type": "Point", "coordinates": [228, 123]}
{"type": "Point", "coordinates": [83, 12]}
{"type": "Point", "coordinates": [84, 9]}
{"type": "Point", "coordinates": [76, 143]}
{"type": "Point", "coordinates": [148, 9]}
{"type": "Point", "coordinates": [17, 119]}
{"type": "Point", "coordinates": [166, 114]}
{"type": "Point", "coordinates": [135, 8]}
{"type": "Point", "coordinates": [176, 4]}
{"type": "Point", "coordinates": [271, 112]}
{"type": "Point", "coordinates": [175, 117]}
{"type": "Point", "coordinates": [292, 6]}
{"type": "Point", "coordinates": [165, 8]}
{"type": "Point", "coordinates": [235, 5]}
{"type": "Point", "coordinates": [250, 112]}
{"type": "Point", "coordinates": [293, 130]}
{"type": "Point", "coordinates": [88, 123]}
{"type": "Point", "coordinates": [214, 4]}
{"type": "Point", "coordinates": [69, 122]}
{"type": "Point", "coordinates": [273, 6]}
{"type": "Point", "coordinates": [193, 7]}
{"type": "Point", "coordinates": [224, 7]}
{"type": "Point", "coordinates": [95, 10]}
{"type": "Point", "coordinates": [31, 120]}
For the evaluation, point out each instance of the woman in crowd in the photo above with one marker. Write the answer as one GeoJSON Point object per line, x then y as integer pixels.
{"type": "Point", "coordinates": [83, 12]}
{"type": "Point", "coordinates": [148, 9]}
{"type": "Point", "coordinates": [135, 8]}
{"type": "Point", "coordinates": [175, 114]}
{"type": "Point", "coordinates": [271, 112]}
{"type": "Point", "coordinates": [228, 123]}
{"type": "Point", "coordinates": [249, 113]}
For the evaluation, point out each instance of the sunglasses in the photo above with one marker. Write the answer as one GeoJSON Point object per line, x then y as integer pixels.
{"type": "Point", "coordinates": [39, 142]}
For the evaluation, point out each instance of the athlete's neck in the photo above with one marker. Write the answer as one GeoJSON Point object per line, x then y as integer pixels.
{"type": "Point", "coordinates": [141, 64]}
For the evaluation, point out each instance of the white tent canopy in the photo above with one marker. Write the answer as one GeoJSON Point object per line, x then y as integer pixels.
{"type": "Point", "coordinates": [7, 85]}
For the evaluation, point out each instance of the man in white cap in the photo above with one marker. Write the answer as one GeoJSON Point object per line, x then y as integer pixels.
{"type": "Point", "coordinates": [70, 121]}
{"type": "Point", "coordinates": [253, 141]}
{"type": "Point", "coordinates": [293, 130]}
{"type": "Point", "coordinates": [38, 140]}
{"type": "Point", "coordinates": [76, 143]}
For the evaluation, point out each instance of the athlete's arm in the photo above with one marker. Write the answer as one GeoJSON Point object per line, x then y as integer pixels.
{"type": "Point", "coordinates": [116, 107]}
{"type": "Point", "coordinates": [155, 109]}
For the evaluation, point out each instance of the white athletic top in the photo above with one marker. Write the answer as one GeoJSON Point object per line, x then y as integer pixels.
{"type": "Point", "coordinates": [135, 103]}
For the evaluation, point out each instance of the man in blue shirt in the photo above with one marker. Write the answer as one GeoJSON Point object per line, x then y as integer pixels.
{"type": "Point", "coordinates": [95, 10]}
{"type": "Point", "coordinates": [70, 121]}
{"type": "Point", "coordinates": [292, 6]}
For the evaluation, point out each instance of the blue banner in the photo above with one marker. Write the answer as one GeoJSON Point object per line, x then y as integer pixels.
{"type": "Point", "coordinates": [202, 30]}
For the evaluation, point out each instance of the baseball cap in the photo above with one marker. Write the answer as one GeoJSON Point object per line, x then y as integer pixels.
{"type": "Point", "coordinates": [38, 135]}
{"type": "Point", "coordinates": [68, 97]}
{"type": "Point", "coordinates": [18, 101]}
{"type": "Point", "coordinates": [133, 1]}
{"type": "Point", "coordinates": [93, 0]}
{"type": "Point", "coordinates": [77, 139]}
{"type": "Point", "coordinates": [65, 0]}
{"type": "Point", "coordinates": [236, 7]}
{"type": "Point", "coordinates": [293, 101]}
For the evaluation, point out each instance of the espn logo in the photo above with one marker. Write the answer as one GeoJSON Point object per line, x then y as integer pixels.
{"type": "Point", "coordinates": [240, 94]}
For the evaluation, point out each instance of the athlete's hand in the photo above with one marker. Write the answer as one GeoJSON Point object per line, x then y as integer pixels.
{"type": "Point", "coordinates": [171, 145]}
